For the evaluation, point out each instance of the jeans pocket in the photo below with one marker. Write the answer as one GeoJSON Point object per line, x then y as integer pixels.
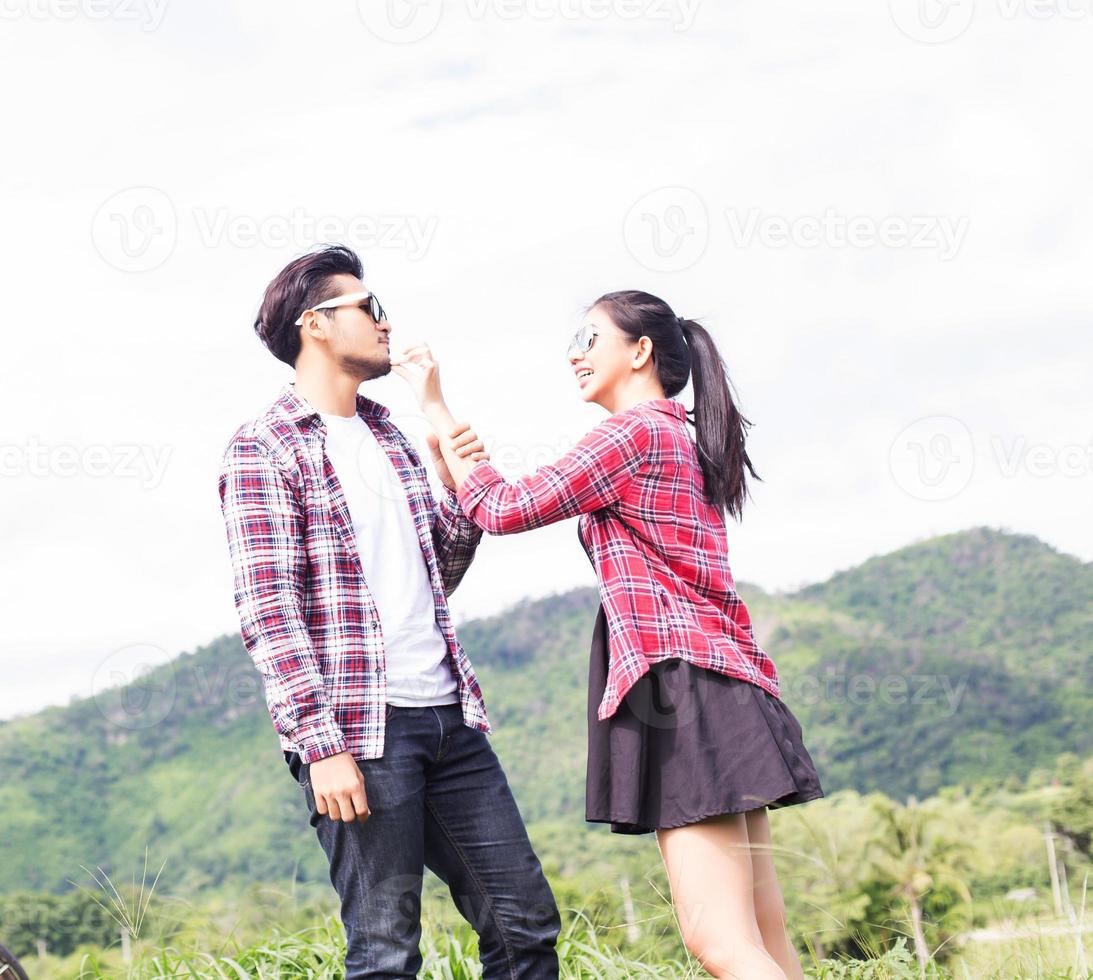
{"type": "Point", "coordinates": [301, 771]}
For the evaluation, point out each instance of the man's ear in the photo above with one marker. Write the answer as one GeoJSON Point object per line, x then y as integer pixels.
{"type": "Point", "coordinates": [315, 328]}
{"type": "Point", "coordinates": [312, 325]}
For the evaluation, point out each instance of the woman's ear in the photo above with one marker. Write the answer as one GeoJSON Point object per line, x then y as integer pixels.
{"type": "Point", "coordinates": [643, 353]}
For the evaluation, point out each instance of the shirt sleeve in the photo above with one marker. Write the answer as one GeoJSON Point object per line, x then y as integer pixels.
{"type": "Point", "coordinates": [455, 539]}
{"type": "Point", "coordinates": [265, 524]}
{"type": "Point", "coordinates": [591, 476]}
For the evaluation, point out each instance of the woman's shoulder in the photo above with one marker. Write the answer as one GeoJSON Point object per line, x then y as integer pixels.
{"type": "Point", "coordinates": [622, 440]}
{"type": "Point", "coordinates": [642, 431]}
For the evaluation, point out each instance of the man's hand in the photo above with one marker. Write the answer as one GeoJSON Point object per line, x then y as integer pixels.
{"type": "Point", "coordinates": [467, 445]}
{"type": "Point", "coordinates": [338, 787]}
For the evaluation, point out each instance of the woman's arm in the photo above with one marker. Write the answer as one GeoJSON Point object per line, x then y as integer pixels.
{"type": "Point", "coordinates": [591, 476]}
{"type": "Point", "coordinates": [459, 445]}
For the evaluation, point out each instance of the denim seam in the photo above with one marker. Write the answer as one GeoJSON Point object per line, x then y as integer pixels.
{"type": "Point", "coordinates": [485, 894]}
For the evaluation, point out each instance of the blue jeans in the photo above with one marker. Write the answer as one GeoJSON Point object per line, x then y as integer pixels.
{"type": "Point", "coordinates": [439, 800]}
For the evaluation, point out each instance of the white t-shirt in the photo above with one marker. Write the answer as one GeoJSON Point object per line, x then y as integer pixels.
{"type": "Point", "coordinates": [418, 670]}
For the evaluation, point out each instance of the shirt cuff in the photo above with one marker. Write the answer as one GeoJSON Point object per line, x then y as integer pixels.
{"type": "Point", "coordinates": [318, 741]}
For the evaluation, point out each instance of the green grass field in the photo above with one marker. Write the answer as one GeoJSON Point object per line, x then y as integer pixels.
{"type": "Point", "coordinates": [212, 941]}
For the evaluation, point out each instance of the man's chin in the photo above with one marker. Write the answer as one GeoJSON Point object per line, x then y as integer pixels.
{"type": "Point", "coordinates": [369, 369]}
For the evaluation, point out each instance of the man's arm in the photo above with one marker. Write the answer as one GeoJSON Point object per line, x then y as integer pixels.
{"type": "Point", "coordinates": [265, 523]}
{"type": "Point", "coordinates": [455, 539]}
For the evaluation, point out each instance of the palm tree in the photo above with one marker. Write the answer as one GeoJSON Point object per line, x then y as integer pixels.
{"type": "Point", "coordinates": [914, 851]}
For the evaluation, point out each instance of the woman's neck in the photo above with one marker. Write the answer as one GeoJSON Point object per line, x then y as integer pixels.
{"type": "Point", "coordinates": [631, 395]}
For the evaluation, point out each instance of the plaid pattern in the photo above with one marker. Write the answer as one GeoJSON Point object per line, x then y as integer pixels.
{"type": "Point", "coordinates": [658, 547]}
{"type": "Point", "coordinates": [308, 618]}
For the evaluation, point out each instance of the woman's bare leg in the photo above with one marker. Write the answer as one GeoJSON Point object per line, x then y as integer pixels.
{"type": "Point", "coordinates": [770, 909]}
{"type": "Point", "coordinates": [710, 874]}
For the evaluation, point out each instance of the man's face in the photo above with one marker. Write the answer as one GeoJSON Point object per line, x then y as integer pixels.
{"type": "Point", "coordinates": [349, 335]}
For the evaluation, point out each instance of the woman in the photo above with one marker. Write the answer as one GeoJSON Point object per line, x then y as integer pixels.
{"type": "Point", "coordinates": [688, 736]}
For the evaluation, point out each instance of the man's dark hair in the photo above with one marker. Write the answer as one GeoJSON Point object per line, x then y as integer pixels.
{"type": "Point", "coordinates": [300, 285]}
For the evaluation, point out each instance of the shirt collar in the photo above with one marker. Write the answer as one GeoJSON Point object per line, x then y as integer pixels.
{"type": "Point", "coordinates": [297, 408]}
{"type": "Point", "coordinates": [669, 406]}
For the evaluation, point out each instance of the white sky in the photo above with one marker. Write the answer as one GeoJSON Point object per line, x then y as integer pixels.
{"type": "Point", "coordinates": [513, 163]}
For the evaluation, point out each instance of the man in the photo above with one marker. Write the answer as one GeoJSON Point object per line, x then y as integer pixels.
{"type": "Point", "coordinates": [343, 563]}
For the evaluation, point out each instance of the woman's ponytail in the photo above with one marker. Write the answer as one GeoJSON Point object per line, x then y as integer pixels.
{"type": "Point", "coordinates": [684, 349]}
{"type": "Point", "coordinates": [720, 429]}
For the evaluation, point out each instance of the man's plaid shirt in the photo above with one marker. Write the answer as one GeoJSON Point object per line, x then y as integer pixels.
{"type": "Point", "coordinates": [307, 615]}
{"type": "Point", "coordinates": [658, 546]}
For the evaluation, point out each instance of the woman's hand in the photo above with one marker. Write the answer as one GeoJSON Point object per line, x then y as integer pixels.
{"type": "Point", "coordinates": [455, 447]}
{"type": "Point", "coordinates": [465, 443]}
{"type": "Point", "coordinates": [419, 368]}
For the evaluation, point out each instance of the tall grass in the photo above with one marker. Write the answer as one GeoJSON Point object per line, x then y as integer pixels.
{"type": "Point", "coordinates": [316, 952]}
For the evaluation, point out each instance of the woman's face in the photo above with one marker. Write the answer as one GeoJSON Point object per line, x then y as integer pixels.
{"type": "Point", "coordinates": [607, 364]}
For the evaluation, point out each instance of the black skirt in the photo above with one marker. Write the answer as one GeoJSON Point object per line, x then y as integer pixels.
{"type": "Point", "coordinates": [689, 743]}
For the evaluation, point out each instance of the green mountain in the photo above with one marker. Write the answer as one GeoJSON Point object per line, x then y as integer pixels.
{"type": "Point", "coordinates": [953, 660]}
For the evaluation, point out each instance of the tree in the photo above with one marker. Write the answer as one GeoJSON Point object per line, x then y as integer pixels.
{"type": "Point", "coordinates": [915, 853]}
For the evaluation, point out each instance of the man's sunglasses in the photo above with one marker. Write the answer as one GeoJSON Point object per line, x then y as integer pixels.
{"type": "Point", "coordinates": [373, 307]}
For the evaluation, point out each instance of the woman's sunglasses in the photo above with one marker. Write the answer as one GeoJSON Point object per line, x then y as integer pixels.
{"type": "Point", "coordinates": [582, 341]}
{"type": "Point", "coordinates": [366, 301]}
